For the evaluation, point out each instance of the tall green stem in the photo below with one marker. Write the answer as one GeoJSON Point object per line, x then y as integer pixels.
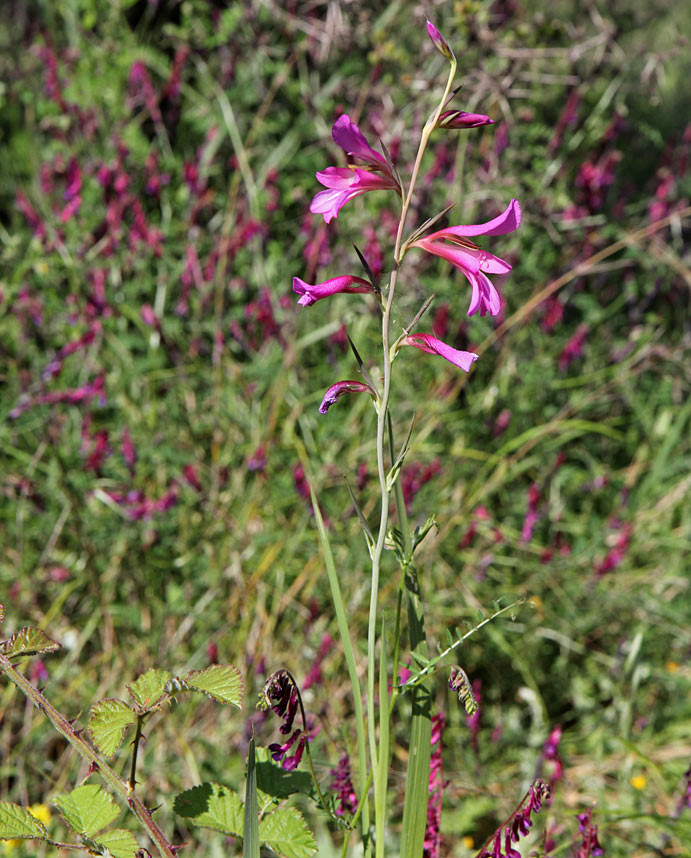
{"type": "Point", "coordinates": [380, 794]}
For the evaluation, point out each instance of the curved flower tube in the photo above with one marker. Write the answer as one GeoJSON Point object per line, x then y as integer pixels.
{"type": "Point", "coordinates": [346, 283]}
{"type": "Point", "coordinates": [452, 244]}
{"type": "Point", "coordinates": [430, 344]}
{"type": "Point", "coordinates": [337, 390]}
{"type": "Point", "coordinates": [461, 119]}
{"type": "Point", "coordinates": [345, 183]}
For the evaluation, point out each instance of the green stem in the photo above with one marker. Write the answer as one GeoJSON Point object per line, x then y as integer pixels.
{"type": "Point", "coordinates": [135, 742]}
{"type": "Point", "coordinates": [382, 415]}
{"type": "Point", "coordinates": [96, 762]}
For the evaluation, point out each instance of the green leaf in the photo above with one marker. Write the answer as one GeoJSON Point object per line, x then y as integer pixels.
{"type": "Point", "coordinates": [276, 781]}
{"type": "Point", "coordinates": [222, 682]}
{"type": "Point", "coordinates": [28, 641]}
{"type": "Point", "coordinates": [17, 822]}
{"type": "Point", "coordinates": [108, 721]}
{"type": "Point", "coordinates": [120, 843]}
{"type": "Point", "coordinates": [211, 805]}
{"type": "Point", "coordinates": [148, 690]}
{"type": "Point", "coordinates": [286, 832]}
{"type": "Point", "coordinates": [250, 844]}
{"type": "Point", "coordinates": [87, 809]}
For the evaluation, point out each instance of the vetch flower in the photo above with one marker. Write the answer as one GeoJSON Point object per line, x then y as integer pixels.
{"type": "Point", "coordinates": [460, 119]}
{"type": "Point", "coordinates": [346, 283]}
{"type": "Point", "coordinates": [430, 344]}
{"type": "Point", "coordinates": [342, 784]}
{"type": "Point", "coordinates": [338, 389]}
{"type": "Point", "coordinates": [345, 183]}
{"type": "Point", "coordinates": [452, 244]}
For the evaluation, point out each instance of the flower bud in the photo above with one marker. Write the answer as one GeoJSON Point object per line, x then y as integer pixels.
{"type": "Point", "coordinates": [440, 42]}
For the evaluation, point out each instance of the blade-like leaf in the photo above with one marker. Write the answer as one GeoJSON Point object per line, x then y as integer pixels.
{"type": "Point", "coordinates": [220, 681]}
{"type": "Point", "coordinates": [87, 809]}
{"type": "Point", "coordinates": [286, 832]}
{"type": "Point", "coordinates": [28, 641]}
{"type": "Point", "coordinates": [108, 721]}
{"type": "Point", "coordinates": [212, 805]}
{"type": "Point", "coordinates": [250, 843]}
{"type": "Point", "coordinates": [148, 690]}
{"type": "Point", "coordinates": [16, 822]}
{"type": "Point", "coordinates": [120, 843]}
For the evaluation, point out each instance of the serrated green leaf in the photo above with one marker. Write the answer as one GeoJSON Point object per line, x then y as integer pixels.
{"type": "Point", "coordinates": [222, 682]}
{"type": "Point", "coordinates": [87, 809]}
{"type": "Point", "coordinates": [119, 842]}
{"type": "Point", "coordinates": [16, 822]}
{"type": "Point", "coordinates": [148, 690]}
{"type": "Point", "coordinates": [28, 641]}
{"type": "Point", "coordinates": [212, 805]}
{"type": "Point", "coordinates": [286, 832]}
{"type": "Point", "coordinates": [108, 721]}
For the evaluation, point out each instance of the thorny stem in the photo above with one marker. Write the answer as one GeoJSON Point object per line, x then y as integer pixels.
{"type": "Point", "coordinates": [380, 800]}
{"type": "Point", "coordinates": [135, 751]}
{"type": "Point", "coordinates": [96, 762]}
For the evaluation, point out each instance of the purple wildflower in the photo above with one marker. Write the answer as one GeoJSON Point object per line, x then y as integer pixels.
{"type": "Point", "coordinates": [439, 41]}
{"type": "Point", "coordinates": [460, 119]}
{"type": "Point", "coordinates": [452, 244]}
{"type": "Point", "coordinates": [518, 825]}
{"type": "Point", "coordinates": [343, 785]}
{"type": "Point", "coordinates": [432, 843]}
{"type": "Point", "coordinates": [337, 390]}
{"type": "Point", "coordinates": [590, 845]}
{"type": "Point", "coordinates": [311, 294]}
{"type": "Point", "coordinates": [430, 344]}
{"type": "Point", "coordinates": [281, 695]}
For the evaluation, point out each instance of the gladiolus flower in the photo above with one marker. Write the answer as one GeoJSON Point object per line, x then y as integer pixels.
{"type": "Point", "coordinates": [461, 119]}
{"type": "Point", "coordinates": [433, 346]}
{"type": "Point", "coordinates": [439, 41]}
{"type": "Point", "coordinates": [338, 389]}
{"type": "Point", "coordinates": [345, 183]}
{"type": "Point", "coordinates": [451, 244]}
{"type": "Point", "coordinates": [346, 283]}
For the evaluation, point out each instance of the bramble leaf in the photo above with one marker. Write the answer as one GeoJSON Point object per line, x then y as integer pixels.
{"type": "Point", "coordinates": [276, 781]}
{"type": "Point", "coordinates": [16, 822]}
{"type": "Point", "coordinates": [87, 809]}
{"type": "Point", "coordinates": [222, 682]}
{"type": "Point", "coordinates": [148, 690]}
{"type": "Point", "coordinates": [119, 842]}
{"type": "Point", "coordinates": [108, 721]}
{"type": "Point", "coordinates": [286, 832]}
{"type": "Point", "coordinates": [212, 805]}
{"type": "Point", "coordinates": [28, 641]}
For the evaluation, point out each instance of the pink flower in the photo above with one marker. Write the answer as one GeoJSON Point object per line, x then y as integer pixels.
{"type": "Point", "coordinates": [433, 346]}
{"type": "Point", "coordinates": [345, 183]}
{"type": "Point", "coordinates": [345, 283]}
{"type": "Point", "coordinates": [451, 244]}
{"type": "Point", "coordinates": [461, 119]}
{"type": "Point", "coordinates": [439, 41]}
{"type": "Point", "coordinates": [338, 389]}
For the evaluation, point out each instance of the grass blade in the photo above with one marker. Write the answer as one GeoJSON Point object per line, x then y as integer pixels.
{"type": "Point", "coordinates": [250, 843]}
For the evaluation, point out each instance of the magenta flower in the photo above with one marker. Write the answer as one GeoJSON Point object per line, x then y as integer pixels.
{"type": "Point", "coordinates": [345, 183]}
{"type": "Point", "coordinates": [439, 41]}
{"type": "Point", "coordinates": [433, 346]}
{"type": "Point", "coordinates": [451, 244]}
{"type": "Point", "coordinates": [337, 390]}
{"type": "Point", "coordinates": [461, 119]}
{"type": "Point", "coordinates": [345, 283]}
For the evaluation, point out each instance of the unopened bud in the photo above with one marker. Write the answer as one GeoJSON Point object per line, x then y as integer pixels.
{"type": "Point", "coordinates": [440, 42]}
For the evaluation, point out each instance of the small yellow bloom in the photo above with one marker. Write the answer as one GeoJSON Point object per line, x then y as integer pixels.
{"type": "Point", "coordinates": [468, 842]}
{"type": "Point", "coordinates": [638, 781]}
{"type": "Point", "coordinates": [41, 812]}
{"type": "Point", "coordinates": [10, 845]}
{"type": "Point", "coordinates": [672, 666]}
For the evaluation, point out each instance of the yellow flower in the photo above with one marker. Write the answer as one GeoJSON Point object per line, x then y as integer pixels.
{"type": "Point", "coordinates": [638, 781]}
{"type": "Point", "coordinates": [41, 812]}
{"type": "Point", "coordinates": [468, 842]}
{"type": "Point", "coordinates": [10, 845]}
{"type": "Point", "coordinates": [672, 666]}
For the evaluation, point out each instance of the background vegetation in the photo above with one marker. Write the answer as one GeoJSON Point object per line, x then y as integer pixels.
{"type": "Point", "coordinates": [160, 386]}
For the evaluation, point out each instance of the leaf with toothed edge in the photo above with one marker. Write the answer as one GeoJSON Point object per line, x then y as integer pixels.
{"type": "Point", "coordinates": [148, 691]}
{"type": "Point", "coordinates": [222, 682]}
{"type": "Point", "coordinates": [108, 721]}
{"type": "Point", "coordinates": [28, 641]}
{"type": "Point", "coordinates": [18, 823]}
{"type": "Point", "coordinates": [87, 809]}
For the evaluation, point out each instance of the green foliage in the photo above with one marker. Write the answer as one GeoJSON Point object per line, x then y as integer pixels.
{"type": "Point", "coordinates": [28, 641]}
{"type": "Point", "coordinates": [87, 810]}
{"type": "Point", "coordinates": [18, 822]}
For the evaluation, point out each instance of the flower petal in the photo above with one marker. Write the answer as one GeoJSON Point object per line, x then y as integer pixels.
{"type": "Point", "coordinates": [345, 283]}
{"type": "Point", "coordinates": [337, 390]}
{"type": "Point", "coordinates": [352, 140]}
{"type": "Point", "coordinates": [461, 119]}
{"type": "Point", "coordinates": [507, 221]}
{"type": "Point", "coordinates": [430, 344]}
